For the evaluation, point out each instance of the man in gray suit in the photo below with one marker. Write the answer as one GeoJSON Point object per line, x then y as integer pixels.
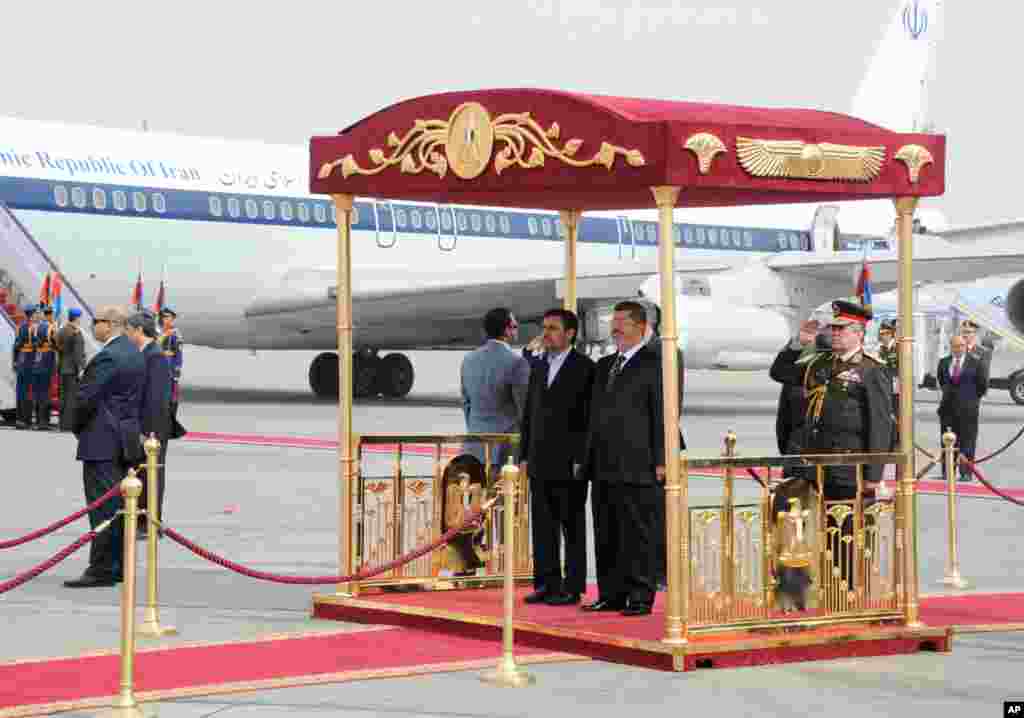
{"type": "Point", "coordinates": [494, 381]}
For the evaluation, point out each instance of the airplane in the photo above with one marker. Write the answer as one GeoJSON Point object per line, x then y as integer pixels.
{"type": "Point", "coordinates": [248, 255]}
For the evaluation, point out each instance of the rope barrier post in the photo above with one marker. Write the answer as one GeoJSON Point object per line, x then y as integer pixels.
{"type": "Point", "coordinates": [952, 577]}
{"type": "Point", "coordinates": [150, 626]}
{"type": "Point", "coordinates": [125, 704]}
{"type": "Point", "coordinates": [507, 673]}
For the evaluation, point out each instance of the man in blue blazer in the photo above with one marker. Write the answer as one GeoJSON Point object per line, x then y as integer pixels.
{"type": "Point", "coordinates": [963, 380]}
{"type": "Point", "coordinates": [106, 422]}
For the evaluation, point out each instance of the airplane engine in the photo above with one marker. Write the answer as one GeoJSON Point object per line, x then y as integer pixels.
{"type": "Point", "coordinates": [1015, 305]}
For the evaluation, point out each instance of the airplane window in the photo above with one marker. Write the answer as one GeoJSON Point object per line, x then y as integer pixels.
{"type": "Point", "coordinates": [652, 235]}
{"type": "Point", "coordinates": [159, 203]}
{"type": "Point", "coordinates": [216, 209]}
{"type": "Point", "coordinates": [677, 236]}
{"type": "Point", "coordinates": [532, 225]}
{"type": "Point", "coordinates": [794, 242]}
{"type": "Point", "coordinates": [736, 241]}
{"type": "Point", "coordinates": [78, 197]}
{"type": "Point", "coordinates": [332, 211]}
{"type": "Point", "coordinates": [286, 211]}
{"type": "Point", "coordinates": [303, 212]}
{"type": "Point", "coordinates": [781, 239]}
{"type": "Point", "coordinates": [431, 220]}
{"type": "Point", "coordinates": [446, 221]}
{"type": "Point", "coordinates": [417, 219]}
{"type": "Point", "coordinates": [355, 216]}
{"type": "Point", "coordinates": [120, 200]}
{"type": "Point", "coordinates": [60, 195]}
{"type": "Point", "coordinates": [545, 226]}
{"type": "Point", "coordinates": [320, 212]}
{"type": "Point", "coordinates": [463, 221]}
{"type": "Point", "coordinates": [475, 221]}
{"type": "Point", "coordinates": [748, 239]}
{"type": "Point", "coordinates": [688, 235]}
{"type": "Point", "coordinates": [139, 201]}
{"type": "Point", "coordinates": [252, 210]}
{"type": "Point", "coordinates": [400, 218]}
{"type": "Point", "coordinates": [700, 235]}
{"type": "Point", "coordinates": [99, 198]}
{"type": "Point", "coordinates": [491, 224]}
{"type": "Point", "coordinates": [268, 209]}
{"type": "Point", "coordinates": [506, 225]}
{"type": "Point", "coordinates": [713, 237]}
{"type": "Point", "coordinates": [234, 207]}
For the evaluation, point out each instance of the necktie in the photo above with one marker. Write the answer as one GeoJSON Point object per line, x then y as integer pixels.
{"type": "Point", "coordinates": [620, 360]}
{"type": "Point", "coordinates": [956, 368]}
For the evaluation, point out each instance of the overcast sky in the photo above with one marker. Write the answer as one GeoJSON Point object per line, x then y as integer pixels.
{"type": "Point", "coordinates": [283, 71]}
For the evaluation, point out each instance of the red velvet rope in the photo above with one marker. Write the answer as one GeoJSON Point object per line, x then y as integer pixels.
{"type": "Point", "coordinates": [48, 564]}
{"type": "Point", "coordinates": [977, 472]}
{"type": "Point", "coordinates": [472, 522]}
{"type": "Point", "coordinates": [114, 491]}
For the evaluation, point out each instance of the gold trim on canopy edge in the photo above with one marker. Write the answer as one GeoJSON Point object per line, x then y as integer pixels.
{"type": "Point", "coordinates": [705, 145]}
{"type": "Point", "coordinates": [465, 144]}
{"type": "Point", "coordinates": [914, 157]}
{"type": "Point", "coordinates": [797, 159]}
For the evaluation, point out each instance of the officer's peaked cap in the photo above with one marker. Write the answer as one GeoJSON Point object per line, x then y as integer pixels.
{"type": "Point", "coordinates": [844, 313]}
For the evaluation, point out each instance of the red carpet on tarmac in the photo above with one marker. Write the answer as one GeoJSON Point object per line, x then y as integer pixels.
{"type": "Point", "coordinates": [925, 486]}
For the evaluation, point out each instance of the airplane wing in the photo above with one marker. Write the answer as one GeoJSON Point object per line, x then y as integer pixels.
{"type": "Point", "coordinates": [931, 264]}
{"type": "Point", "coordinates": [994, 232]}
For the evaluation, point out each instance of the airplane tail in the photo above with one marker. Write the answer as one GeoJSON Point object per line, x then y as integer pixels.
{"type": "Point", "coordinates": [894, 91]}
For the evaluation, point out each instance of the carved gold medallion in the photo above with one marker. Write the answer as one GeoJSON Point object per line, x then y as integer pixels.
{"type": "Point", "coordinates": [470, 140]}
{"type": "Point", "coordinates": [801, 160]}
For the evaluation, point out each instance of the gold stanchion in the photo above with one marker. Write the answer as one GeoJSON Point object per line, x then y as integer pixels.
{"type": "Point", "coordinates": [507, 672]}
{"type": "Point", "coordinates": [150, 626]}
{"type": "Point", "coordinates": [952, 577]}
{"type": "Point", "coordinates": [125, 704]}
{"type": "Point", "coordinates": [728, 526]}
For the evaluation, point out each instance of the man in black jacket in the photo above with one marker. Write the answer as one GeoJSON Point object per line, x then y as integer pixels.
{"type": "Point", "coordinates": [155, 407]}
{"type": "Point", "coordinates": [625, 460]}
{"type": "Point", "coordinates": [963, 380]}
{"type": "Point", "coordinates": [106, 422]}
{"type": "Point", "coordinates": [554, 430]}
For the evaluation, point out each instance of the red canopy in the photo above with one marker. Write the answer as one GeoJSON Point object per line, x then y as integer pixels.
{"type": "Point", "coordinates": [559, 150]}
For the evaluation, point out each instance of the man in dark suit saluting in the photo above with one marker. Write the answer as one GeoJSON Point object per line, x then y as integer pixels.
{"type": "Point", "coordinates": [106, 422]}
{"type": "Point", "coordinates": [553, 434]}
{"type": "Point", "coordinates": [624, 460]}
{"type": "Point", "coordinates": [963, 380]}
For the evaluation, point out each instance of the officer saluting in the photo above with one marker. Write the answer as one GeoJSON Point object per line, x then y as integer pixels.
{"type": "Point", "coordinates": [24, 365]}
{"type": "Point", "coordinates": [849, 392]}
{"type": "Point", "coordinates": [171, 347]}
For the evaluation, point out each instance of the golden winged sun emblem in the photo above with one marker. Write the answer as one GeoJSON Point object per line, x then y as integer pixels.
{"type": "Point", "coordinates": [801, 160]}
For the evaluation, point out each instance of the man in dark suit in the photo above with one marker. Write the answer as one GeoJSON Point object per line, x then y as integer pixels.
{"type": "Point", "coordinates": [155, 406]}
{"type": "Point", "coordinates": [106, 422]}
{"type": "Point", "coordinates": [625, 461]}
{"type": "Point", "coordinates": [963, 380]}
{"type": "Point", "coordinates": [553, 434]}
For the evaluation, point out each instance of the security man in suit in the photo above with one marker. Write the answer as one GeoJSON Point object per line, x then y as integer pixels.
{"type": "Point", "coordinates": [553, 435]}
{"type": "Point", "coordinates": [172, 347]}
{"type": "Point", "coordinates": [155, 408]}
{"type": "Point", "coordinates": [493, 380]}
{"type": "Point", "coordinates": [624, 462]}
{"type": "Point", "coordinates": [963, 380]}
{"type": "Point", "coordinates": [46, 365]}
{"type": "Point", "coordinates": [107, 425]}
{"type": "Point", "coordinates": [71, 344]}
{"type": "Point", "coordinates": [25, 346]}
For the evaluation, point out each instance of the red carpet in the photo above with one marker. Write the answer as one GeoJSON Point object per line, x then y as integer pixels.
{"type": "Point", "coordinates": [363, 653]}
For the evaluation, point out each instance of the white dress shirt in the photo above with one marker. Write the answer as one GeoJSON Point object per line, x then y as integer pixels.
{"type": "Point", "coordinates": [555, 362]}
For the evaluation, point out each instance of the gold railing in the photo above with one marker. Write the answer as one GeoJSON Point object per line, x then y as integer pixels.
{"type": "Point", "coordinates": [409, 489]}
{"type": "Point", "coordinates": [846, 554]}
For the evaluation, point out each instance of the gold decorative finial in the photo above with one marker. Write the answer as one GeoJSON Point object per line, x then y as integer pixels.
{"type": "Point", "coordinates": [914, 157]}
{"type": "Point", "coordinates": [705, 145]}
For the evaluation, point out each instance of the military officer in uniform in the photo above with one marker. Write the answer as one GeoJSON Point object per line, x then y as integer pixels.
{"type": "Point", "coordinates": [46, 365]}
{"type": "Point", "coordinates": [171, 346]}
{"type": "Point", "coordinates": [24, 366]}
{"type": "Point", "coordinates": [889, 354]}
{"type": "Point", "coordinates": [849, 403]}
{"type": "Point", "coordinates": [969, 331]}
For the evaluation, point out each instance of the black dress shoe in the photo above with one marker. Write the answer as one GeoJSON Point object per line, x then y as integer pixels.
{"type": "Point", "coordinates": [536, 597]}
{"type": "Point", "coordinates": [603, 605]}
{"type": "Point", "coordinates": [562, 599]}
{"type": "Point", "coordinates": [637, 609]}
{"type": "Point", "coordinates": [87, 580]}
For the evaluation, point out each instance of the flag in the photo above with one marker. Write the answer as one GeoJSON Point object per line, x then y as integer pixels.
{"type": "Point", "coordinates": [864, 280]}
{"type": "Point", "coordinates": [137, 293]}
{"type": "Point", "coordinates": [44, 293]}
{"type": "Point", "coordinates": [57, 294]}
{"type": "Point", "coordinates": [158, 305]}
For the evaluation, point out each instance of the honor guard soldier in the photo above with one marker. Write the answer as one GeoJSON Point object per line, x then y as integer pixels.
{"type": "Point", "coordinates": [46, 365]}
{"type": "Point", "coordinates": [24, 366]}
{"type": "Point", "coordinates": [171, 346]}
{"type": "Point", "coordinates": [888, 353]}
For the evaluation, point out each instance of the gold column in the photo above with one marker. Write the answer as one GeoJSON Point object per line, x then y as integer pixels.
{"type": "Point", "coordinates": [677, 512]}
{"type": "Point", "coordinates": [570, 220]}
{"type": "Point", "coordinates": [905, 207]}
{"type": "Point", "coordinates": [952, 577]}
{"type": "Point", "coordinates": [346, 464]}
{"type": "Point", "coordinates": [507, 673]}
{"type": "Point", "coordinates": [125, 704]}
{"type": "Point", "coordinates": [151, 627]}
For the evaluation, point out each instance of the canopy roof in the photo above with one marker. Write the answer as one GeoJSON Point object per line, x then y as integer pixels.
{"type": "Point", "coordinates": [559, 150]}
